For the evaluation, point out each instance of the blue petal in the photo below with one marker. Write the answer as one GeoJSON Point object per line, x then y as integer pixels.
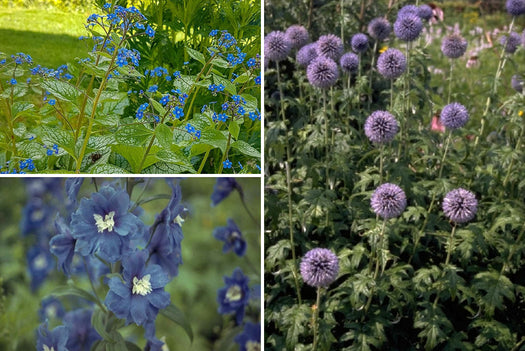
{"type": "Point", "coordinates": [138, 309]}
{"type": "Point", "coordinates": [159, 298]}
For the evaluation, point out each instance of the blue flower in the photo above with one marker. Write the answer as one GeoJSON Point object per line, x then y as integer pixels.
{"type": "Point", "coordinates": [178, 112]}
{"type": "Point", "coordinates": [81, 334]}
{"type": "Point", "coordinates": [104, 225]}
{"type": "Point", "coordinates": [12, 81]}
{"type": "Point", "coordinates": [153, 88]}
{"type": "Point", "coordinates": [223, 188]}
{"type": "Point", "coordinates": [62, 246]}
{"type": "Point", "coordinates": [150, 32]}
{"type": "Point", "coordinates": [72, 187]}
{"type": "Point", "coordinates": [51, 340]}
{"type": "Point", "coordinates": [234, 297]}
{"type": "Point", "coordinates": [232, 237]}
{"type": "Point", "coordinates": [139, 294]}
{"type": "Point", "coordinates": [250, 338]}
{"type": "Point", "coordinates": [164, 100]}
{"type": "Point", "coordinates": [51, 308]}
{"type": "Point", "coordinates": [227, 164]}
{"type": "Point", "coordinates": [40, 264]}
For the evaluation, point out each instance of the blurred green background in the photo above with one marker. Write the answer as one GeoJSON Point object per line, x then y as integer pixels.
{"type": "Point", "coordinates": [194, 290]}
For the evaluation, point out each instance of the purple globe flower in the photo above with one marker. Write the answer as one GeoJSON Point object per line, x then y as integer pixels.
{"type": "Point", "coordinates": [232, 237]}
{"type": "Point", "coordinates": [388, 201]}
{"type": "Point", "coordinates": [460, 205]}
{"type": "Point", "coordinates": [306, 54]}
{"type": "Point", "coordinates": [424, 12]}
{"type": "Point", "coordinates": [454, 46]}
{"type": "Point", "coordinates": [322, 72]}
{"type": "Point", "coordinates": [297, 36]}
{"type": "Point", "coordinates": [517, 83]}
{"type": "Point", "coordinates": [223, 188]}
{"type": "Point", "coordinates": [454, 116]}
{"type": "Point", "coordinates": [51, 340]}
{"type": "Point", "coordinates": [82, 335]}
{"type": "Point", "coordinates": [381, 127]}
{"type": "Point", "coordinates": [511, 42]}
{"type": "Point", "coordinates": [349, 62]}
{"type": "Point", "coordinates": [276, 46]}
{"type": "Point", "coordinates": [408, 9]}
{"type": "Point", "coordinates": [392, 63]}
{"type": "Point", "coordinates": [408, 26]}
{"type": "Point", "coordinates": [330, 46]}
{"type": "Point", "coordinates": [359, 42]}
{"type": "Point", "coordinates": [515, 7]}
{"type": "Point", "coordinates": [379, 28]}
{"type": "Point", "coordinates": [319, 267]}
{"type": "Point", "coordinates": [250, 338]}
{"type": "Point", "coordinates": [234, 297]}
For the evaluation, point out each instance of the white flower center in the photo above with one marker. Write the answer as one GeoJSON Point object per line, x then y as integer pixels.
{"type": "Point", "coordinates": [47, 348]}
{"type": "Point", "coordinates": [40, 261]}
{"type": "Point", "coordinates": [253, 346]}
{"type": "Point", "coordinates": [179, 220]}
{"type": "Point", "coordinates": [51, 311]}
{"type": "Point", "coordinates": [234, 293]}
{"type": "Point", "coordinates": [142, 286]}
{"type": "Point", "coordinates": [105, 223]}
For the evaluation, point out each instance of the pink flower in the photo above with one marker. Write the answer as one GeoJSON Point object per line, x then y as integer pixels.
{"type": "Point", "coordinates": [436, 126]}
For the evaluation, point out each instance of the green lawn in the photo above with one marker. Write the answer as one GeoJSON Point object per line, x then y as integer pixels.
{"type": "Point", "coordinates": [49, 36]}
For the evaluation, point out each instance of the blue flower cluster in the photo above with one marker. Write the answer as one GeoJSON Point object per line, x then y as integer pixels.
{"type": "Point", "coordinates": [216, 88]}
{"type": "Point", "coordinates": [194, 132]}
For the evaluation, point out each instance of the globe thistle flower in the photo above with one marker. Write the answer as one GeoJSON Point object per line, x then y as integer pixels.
{"type": "Point", "coordinates": [297, 36]}
{"type": "Point", "coordinates": [515, 7]}
{"type": "Point", "coordinates": [250, 338]}
{"type": "Point", "coordinates": [381, 127]}
{"type": "Point", "coordinates": [276, 46]}
{"type": "Point", "coordinates": [232, 237]}
{"type": "Point", "coordinates": [330, 46]}
{"type": "Point", "coordinates": [379, 28]}
{"type": "Point", "coordinates": [408, 26]}
{"type": "Point", "coordinates": [359, 42]}
{"type": "Point", "coordinates": [223, 189]}
{"type": "Point", "coordinates": [349, 62]}
{"type": "Point", "coordinates": [460, 205]}
{"type": "Point", "coordinates": [234, 297]}
{"type": "Point", "coordinates": [454, 46]}
{"type": "Point", "coordinates": [388, 201]}
{"type": "Point", "coordinates": [517, 83]}
{"type": "Point", "coordinates": [424, 12]}
{"type": "Point", "coordinates": [392, 63]}
{"type": "Point", "coordinates": [322, 72]}
{"type": "Point", "coordinates": [454, 116]}
{"type": "Point", "coordinates": [511, 42]}
{"type": "Point", "coordinates": [306, 54]}
{"type": "Point", "coordinates": [408, 9]}
{"type": "Point", "coordinates": [319, 267]}
{"type": "Point", "coordinates": [81, 333]}
{"type": "Point", "coordinates": [51, 340]}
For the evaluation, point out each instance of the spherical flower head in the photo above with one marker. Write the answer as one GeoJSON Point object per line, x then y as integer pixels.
{"type": "Point", "coordinates": [359, 42]}
{"type": "Point", "coordinates": [322, 72]}
{"type": "Point", "coordinates": [381, 127]}
{"type": "Point", "coordinates": [349, 62]}
{"type": "Point", "coordinates": [408, 9]}
{"type": "Point", "coordinates": [460, 205]}
{"type": "Point", "coordinates": [511, 42]}
{"type": "Point", "coordinates": [408, 27]}
{"type": "Point", "coordinates": [235, 295]}
{"type": "Point", "coordinates": [454, 116]}
{"type": "Point", "coordinates": [297, 36]}
{"type": "Point", "coordinates": [330, 46]}
{"type": "Point", "coordinates": [82, 335]}
{"type": "Point", "coordinates": [515, 7]}
{"type": "Point", "coordinates": [103, 224]}
{"type": "Point", "coordinates": [250, 338]}
{"type": "Point", "coordinates": [392, 63]}
{"type": "Point", "coordinates": [379, 28]}
{"type": "Point", "coordinates": [306, 54]}
{"type": "Point", "coordinates": [517, 83]}
{"type": "Point", "coordinates": [51, 340]}
{"type": "Point", "coordinates": [276, 46]}
{"type": "Point", "coordinates": [319, 267]}
{"type": "Point", "coordinates": [424, 12]}
{"type": "Point", "coordinates": [454, 46]}
{"type": "Point", "coordinates": [388, 201]}
{"type": "Point", "coordinates": [232, 237]}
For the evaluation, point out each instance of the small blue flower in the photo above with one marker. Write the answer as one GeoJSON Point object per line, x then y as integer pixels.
{"type": "Point", "coordinates": [82, 335]}
{"type": "Point", "coordinates": [198, 134]}
{"type": "Point", "coordinates": [250, 338]}
{"type": "Point", "coordinates": [164, 100]}
{"type": "Point", "coordinates": [150, 32]}
{"type": "Point", "coordinates": [251, 62]}
{"type": "Point", "coordinates": [223, 188]}
{"type": "Point", "coordinates": [51, 340]}
{"type": "Point", "coordinates": [225, 106]}
{"type": "Point", "coordinates": [178, 112]}
{"type": "Point", "coordinates": [213, 33]}
{"type": "Point", "coordinates": [257, 80]}
{"type": "Point", "coordinates": [234, 297]}
{"type": "Point", "coordinates": [227, 164]}
{"type": "Point", "coordinates": [232, 237]}
{"type": "Point", "coordinates": [12, 81]}
{"type": "Point", "coordinates": [153, 88]}
{"type": "Point", "coordinates": [190, 129]}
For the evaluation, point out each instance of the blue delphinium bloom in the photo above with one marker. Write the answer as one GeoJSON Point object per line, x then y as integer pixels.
{"type": "Point", "coordinates": [349, 62]}
{"type": "Point", "coordinates": [72, 188]}
{"type": "Point", "coordinates": [359, 42]}
{"type": "Point", "coordinates": [40, 263]}
{"type": "Point", "coordinates": [223, 188]}
{"type": "Point", "coordinates": [515, 7]}
{"type": "Point", "coordinates": [454, 46]}
{"type": "Point", "coordinates": [297, 36]}
{"type": "Point", "coordinates": [51, 308]}
{"type": "Point", "coordinates": [319, 267]}
{"type": "Point", "coordinates": [388, 201]}
{"type": "Point", "coordinates": [379, 28]}
{"type": "Point", "coordinates": [250, 338]}
{"type": "Point", "coordinates": [82, 335]}
{"type": "Point", "coordinates": [234, 297]}
{"type": "Point", "coordinates": [232, 237]}
{"type": "Point", "coordinates": [454, 116]}
{"type": "Point", "coordinates": [306, 54]}
{"type": "Point", "coordinates": [392, 63]}
{"type": "Point", "coordinates": [408, 26]}
{"type": "Point", "coordinates": [35, 216]}
{"type": "Point", "coordinates": [276, 46]}
{"type": "Point", "coordinates": [330, 46]}
{"type": "Point", "coordinates": [103, 224]}
{"type": "Point", "coordinates": [460, 205]}
{"type": "Point", "coordinates": [62, 245]}
{"type": "Point", "coordinates": [322, 72]}
{"type": "Point", "coordinates": [51, 340]}
{"type": "Point", "coordinates": [381, 127]}
{"type": "Point", "coordinates": [140, 294]}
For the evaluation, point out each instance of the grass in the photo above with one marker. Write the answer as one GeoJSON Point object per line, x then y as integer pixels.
{"type": "Point", "coordinates": [50, 37]}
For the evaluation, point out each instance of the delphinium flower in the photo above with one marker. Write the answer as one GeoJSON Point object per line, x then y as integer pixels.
{"type": "Point", "coordinates": [223, 188]}
{"type": "Point", "coordinates": [511, 42]}
{"type": "Point", "coordinates": [392, 63]}
{"type": "Point", "coordinates": [232, 237]}
{"type": "Point", "coordinates": [454, 115]}
{"type": "Point", "coordinates": [349, 62]}
{"type": "Point", "coordinates": [515, 7]}
{"type": "Point", "coordinates": [72, 187]}
{"type": "Point", "coordinates": [234, 297]}
{"type": "Point", "coordinates": [55, 339]}
{"type": "Point", "coordinates": [40, 263]}
{"type": "Point", "coordinates": [62, 245]}
{"type": "Point", "coordinates": [51, 308]}
{"type": "Point", "coordinates": [330, 46]}
{"type": "Point", "coordinates": [322, 72]}
{"type": "Point", "coordinates": [297, 36]}
{"type": "Point", "coordinates": [139, 294]}
{"type": "Point", "coordinates": [82, 335]}
{"type": "Point", "coordinates": [319, 267]}
{"type": "Point", "coordinates": [379, 28]}
{"type": "Point", "coordinates": [408, 26]}
{"type": "Point", "coordinates": [381, 127]}
{"type": "Point", "coordinates": [359, 42]}
{"type": "Point", "coordinates": [424, 12]}
{"type": "Point", "coordinates": [460, 205]}
{"type": "Point", "coordinates": [306, 54]}
{"type": "Point", "coordinates": [517, 83]}
{"type": "Point", "coordinates": [454, 46]}
{"type": "Point", "coordinates": [103, 224]}
{"type": "Point", "coordinates": [276, 46]}
{"type": "Point", "coordinates": [388, 201]}
{"type": "Point", "coordinates": [250, 338]}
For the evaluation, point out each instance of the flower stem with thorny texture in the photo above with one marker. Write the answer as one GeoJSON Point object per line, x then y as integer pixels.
{"type": "Point", "coordinates": [315, 319]}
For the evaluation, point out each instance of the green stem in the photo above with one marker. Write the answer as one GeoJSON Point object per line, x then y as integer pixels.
{"type": "Point", "coordinates": [225, 156]}
{"type": "Point", "coordinates": [315, 318]}
{"type": "Point", "coordinates": [378, 255]}
{"type": "Point", "coordinates": [381, 151]}
{"type": "Point", "coordinates": [371, 74]}
{"type": "Point", "coordinates": [203, 162]}
{"type": "Point", "coordinates": [98, 302]}
{"type": "Point", "coordinates": [450, 80]}
{"type": "Point", "coordinates": [342, 20]}
{"type": "Point", "coordinates": [447, 260]}
{"type": "Point", "coordinates": [513, 249]}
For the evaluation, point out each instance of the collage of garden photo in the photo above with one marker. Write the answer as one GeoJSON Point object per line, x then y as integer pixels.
{"type": "Point", "coordinates": [247, 175]}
